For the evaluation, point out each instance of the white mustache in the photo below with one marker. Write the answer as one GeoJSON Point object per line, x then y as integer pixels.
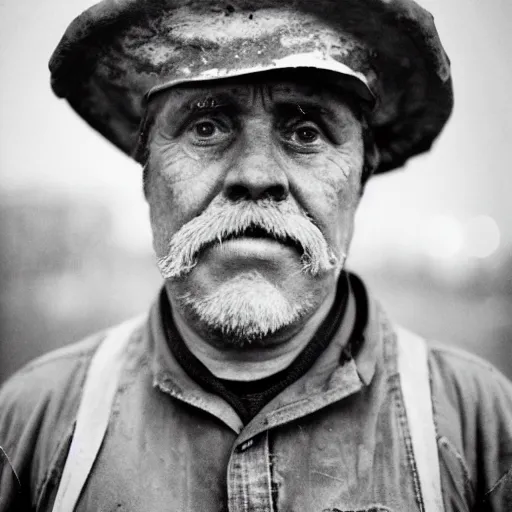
{"type": "Point", "coordinates": [224, 219]}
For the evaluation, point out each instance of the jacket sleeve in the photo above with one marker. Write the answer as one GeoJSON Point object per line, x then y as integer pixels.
{"type": "Point", "coordinates": [473, 409]}
{"type": "Point", "coordinates": [37, 409]}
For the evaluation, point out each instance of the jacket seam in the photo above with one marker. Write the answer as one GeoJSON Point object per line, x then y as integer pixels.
{"type": "Point", "coordinates": [79, 356]}
{"type": "Point", "coordinates": [53, 470]}
{"type": "Point", "coordinates": [500, 480]}
{"type": "Point", "coordinates": [468, 481]}
{"type": "Point", "coordinates": [453, 353]}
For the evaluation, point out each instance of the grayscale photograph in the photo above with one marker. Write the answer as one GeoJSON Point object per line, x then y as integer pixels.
{"type": "Point", "coordinates": [255, 256]}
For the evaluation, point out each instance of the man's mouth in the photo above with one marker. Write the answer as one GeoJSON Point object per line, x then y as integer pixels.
{"type": "Point", "coordinates": [259, 232]}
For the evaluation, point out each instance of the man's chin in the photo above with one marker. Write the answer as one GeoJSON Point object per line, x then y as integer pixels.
{"type": "Point", "coordinates": [246, 310]}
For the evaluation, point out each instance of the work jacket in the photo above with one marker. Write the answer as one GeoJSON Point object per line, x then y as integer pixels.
{"type": "Point", "coordinates": [336, 440]}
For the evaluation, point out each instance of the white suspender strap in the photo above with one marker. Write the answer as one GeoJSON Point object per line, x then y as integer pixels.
{"type": "Point", "coordinates": [415, 383]}
{"type": "Point", "coordinates": [93, 414]}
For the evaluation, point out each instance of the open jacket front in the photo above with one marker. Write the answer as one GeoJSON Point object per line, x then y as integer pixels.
{"type": "Point", "coordinates": [336, 440]}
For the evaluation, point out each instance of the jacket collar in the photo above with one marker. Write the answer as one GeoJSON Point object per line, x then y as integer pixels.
{"type": "Point", "coordinates": [327, 381]}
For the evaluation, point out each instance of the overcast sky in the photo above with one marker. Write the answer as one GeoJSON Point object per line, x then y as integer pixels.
{"type": "Point", "coordinates": [43, 144]}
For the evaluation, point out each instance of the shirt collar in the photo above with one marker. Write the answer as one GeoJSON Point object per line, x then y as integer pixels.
{"type": "Point", "coordinates": [328, 379]}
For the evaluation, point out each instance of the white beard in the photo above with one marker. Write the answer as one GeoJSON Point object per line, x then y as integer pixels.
{"type": "Point", "coordinates": [246, 309]}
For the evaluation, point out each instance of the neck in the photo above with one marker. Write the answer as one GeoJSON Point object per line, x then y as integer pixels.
{"type": "Point", "coordinates": [252, 364]}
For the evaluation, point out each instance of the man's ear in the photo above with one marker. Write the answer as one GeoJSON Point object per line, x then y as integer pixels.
{"type": "Point", "coordinates": [142, 151]}
{"type": "Point", "coordinates": [371, 156]}
{"type": "Point", "coordinates": [145, 178]}
{"type": "Point", "coordinates": [149, 120]}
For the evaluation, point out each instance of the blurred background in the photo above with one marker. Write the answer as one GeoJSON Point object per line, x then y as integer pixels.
{"type": "Point", "coordinates": [433, 241]}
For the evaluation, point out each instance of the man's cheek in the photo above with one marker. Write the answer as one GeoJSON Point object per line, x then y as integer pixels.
{"type": "Point", "coordinates": [348, 184]}
{"type": "Point", "coordinates": [344, 188]}
{"type": "Point", "coordinates": [179, 167]}
{"type": "Point", "coordinates": [336, 201]}
{"type": "Point", "coordinates": [161, 235]}
{"type": "Point", "coordinates": [340, 178]}
{"type": "Point", "coordinates": [168, 210]}
{"type": "Point", "coordinates": [351, 194]}
{"type": "Point", "coordinates": [175, 160]}
{"type": "Point", "coordinates": [179, 183]}
{"type": "Point", "coordinates": [337, 211]}
{"type": "Point", "coordinates": [168, 215]}
{"type": "Point", "coordinates": [172, 205]}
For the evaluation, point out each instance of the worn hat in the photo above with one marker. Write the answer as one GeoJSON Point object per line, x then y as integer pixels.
{"type": "Point", "coordinates": [119, 53]}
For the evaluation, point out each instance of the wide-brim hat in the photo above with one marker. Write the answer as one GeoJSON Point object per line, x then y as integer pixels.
{"type": "Point", "coordinates": [119, 53]}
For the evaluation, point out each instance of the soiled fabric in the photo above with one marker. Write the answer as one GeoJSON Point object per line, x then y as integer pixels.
{"type": "Point", "coordinates": [335, 440]}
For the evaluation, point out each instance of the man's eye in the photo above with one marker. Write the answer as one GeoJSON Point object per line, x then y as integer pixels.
{"type": "Point", "coordinates": [304, 135]}
{"type": "Point", "coordinates": [307, 134]}
{"type": "Point", "coordinates": [205, 129]}
{"type": "Point", "coordinates": [210, 132]}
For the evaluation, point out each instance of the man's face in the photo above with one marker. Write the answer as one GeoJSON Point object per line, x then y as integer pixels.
{"type": "Point", "coordinates": [252, 188]}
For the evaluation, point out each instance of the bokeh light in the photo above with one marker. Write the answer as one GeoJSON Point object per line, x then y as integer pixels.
{"type": "Point", "coordinates": [444, 237]}
{"type": "Point", "coordinates": [482, 237]}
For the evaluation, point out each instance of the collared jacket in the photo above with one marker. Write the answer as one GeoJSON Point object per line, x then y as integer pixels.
{"type": "Point", "coordinates": [336, 440]}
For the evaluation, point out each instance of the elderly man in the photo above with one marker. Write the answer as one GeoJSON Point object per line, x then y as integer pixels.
{"type": "Point", "coordinates": [264, 377]}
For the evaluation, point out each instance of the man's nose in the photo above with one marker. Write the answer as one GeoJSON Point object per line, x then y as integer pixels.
{"type": "Point", "coordinates": [256, 174]}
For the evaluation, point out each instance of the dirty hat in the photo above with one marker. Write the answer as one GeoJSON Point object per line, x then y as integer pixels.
{"type": "Point", "coordinates": [116, 55]}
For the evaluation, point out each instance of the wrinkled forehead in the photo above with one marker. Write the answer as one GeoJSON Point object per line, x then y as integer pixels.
{"type": "Point", "coordinates": [271, 87]}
